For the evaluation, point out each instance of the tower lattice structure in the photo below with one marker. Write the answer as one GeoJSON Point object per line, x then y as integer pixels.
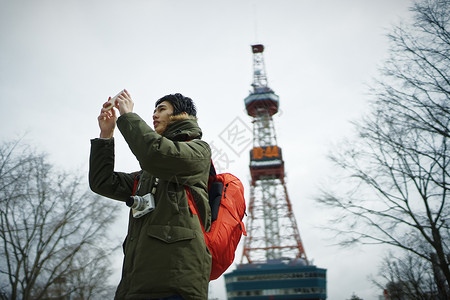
{"type": "Point", "coordinates": [271, 226]}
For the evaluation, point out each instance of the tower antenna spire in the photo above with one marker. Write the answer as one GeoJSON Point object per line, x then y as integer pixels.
{"type": "Point", "coordinates": [255, 17]}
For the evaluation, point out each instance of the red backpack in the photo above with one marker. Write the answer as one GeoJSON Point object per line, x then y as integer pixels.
{"type": "Point", "coordinates": [226, 199]}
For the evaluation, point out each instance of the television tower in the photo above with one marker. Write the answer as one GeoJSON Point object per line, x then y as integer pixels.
{"type": "Point", "coordinates": [276, 267]}
{"type": "Point", "coordinates": [272, 230]}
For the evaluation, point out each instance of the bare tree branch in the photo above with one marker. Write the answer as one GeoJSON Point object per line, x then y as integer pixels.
{"type": "Point", "coordinates": [397, 168]}
{"type": "Point", "coordinates": [51, 227]}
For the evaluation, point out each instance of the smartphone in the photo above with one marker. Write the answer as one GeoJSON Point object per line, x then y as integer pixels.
{"type": "Point", "coordinates": [112, 101]}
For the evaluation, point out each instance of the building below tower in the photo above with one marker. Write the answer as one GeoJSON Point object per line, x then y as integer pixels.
{"type": "Point", "coordinates": [276, 279]}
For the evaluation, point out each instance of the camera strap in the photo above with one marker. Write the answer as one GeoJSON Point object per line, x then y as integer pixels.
{"type": "Point", "coordinates": [137, 184]}
{"type": "Point", "coordinates": [154, 186]}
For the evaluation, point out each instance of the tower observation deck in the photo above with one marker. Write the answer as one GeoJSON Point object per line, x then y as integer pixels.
{"type": "Point", "coordinates": [274, 264]}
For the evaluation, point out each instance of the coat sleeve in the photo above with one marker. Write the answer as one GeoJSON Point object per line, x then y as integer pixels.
{"type": "Point", "coordinates": [102, 178]}
{"type": "Point", "coordinates": [181, 162]}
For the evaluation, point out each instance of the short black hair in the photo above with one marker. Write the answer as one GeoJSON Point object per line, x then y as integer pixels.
{"type": "Point", "coordinates": [180, 104]}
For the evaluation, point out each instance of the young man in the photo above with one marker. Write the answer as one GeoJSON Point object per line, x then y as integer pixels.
{"type": "Point", "coordinates": [165, 253]}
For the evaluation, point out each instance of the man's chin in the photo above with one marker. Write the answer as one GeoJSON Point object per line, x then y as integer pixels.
{"type": "Point", "coordinates": [159, 130]}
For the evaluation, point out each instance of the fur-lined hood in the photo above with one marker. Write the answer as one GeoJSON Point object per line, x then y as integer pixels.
{"type": "Point", "coordinates": [181, 117]}
{"type": "Point", "coordinates": [183, 127]}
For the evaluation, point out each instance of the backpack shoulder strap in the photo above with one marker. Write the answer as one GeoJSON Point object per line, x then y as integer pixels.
{"type": "Point", "coordinates": [192, 205]}
{"type": "Point", "coordinates": [212, 175]}
{"type": "Point", "coordinates": [212, 170]}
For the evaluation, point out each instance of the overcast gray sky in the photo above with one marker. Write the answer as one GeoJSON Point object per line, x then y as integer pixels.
{"type": "Point", "coordinates": [60, 60]}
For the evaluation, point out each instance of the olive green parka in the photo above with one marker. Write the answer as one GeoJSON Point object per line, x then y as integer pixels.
{"type": "Point", "coordinates": [165, 251]}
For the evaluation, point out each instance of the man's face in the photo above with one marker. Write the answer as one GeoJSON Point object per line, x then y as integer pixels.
{"type": "Point", "coordinates": [161, 116]}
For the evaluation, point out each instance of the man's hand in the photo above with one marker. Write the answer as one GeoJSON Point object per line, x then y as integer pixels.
{"type": "Point", "coordinates": [124, 103]}
{"type": "Point", "coordinates": [107, 121]}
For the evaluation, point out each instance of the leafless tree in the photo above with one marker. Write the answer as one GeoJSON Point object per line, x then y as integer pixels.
{"type": "Point", "coordinates": [394, 180]}
{"type": "Point", "coordinates": [53, 241]}
{"type": "Point", "coordinates": [408, 277]}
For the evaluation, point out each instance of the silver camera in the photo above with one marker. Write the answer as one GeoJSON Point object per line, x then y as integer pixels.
{"type": "Point", "coordinates": [141, 205]}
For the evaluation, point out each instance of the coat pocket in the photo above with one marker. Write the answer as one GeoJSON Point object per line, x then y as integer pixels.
{"type": "Point", "coordinates": [171, 234]}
